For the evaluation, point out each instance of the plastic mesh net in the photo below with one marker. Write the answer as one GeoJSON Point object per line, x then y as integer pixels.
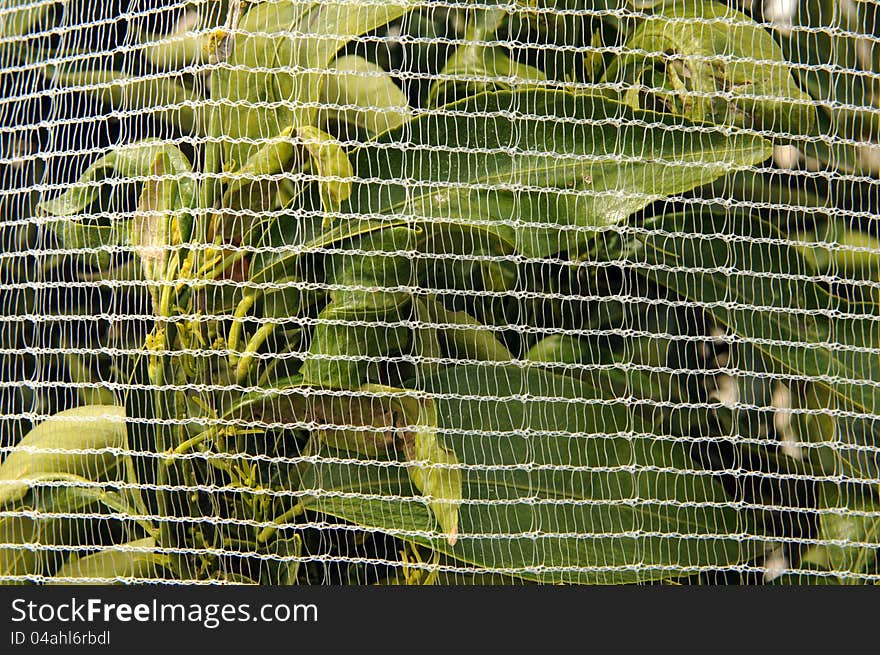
{"type": "Point", "coordinates": [578, 291]}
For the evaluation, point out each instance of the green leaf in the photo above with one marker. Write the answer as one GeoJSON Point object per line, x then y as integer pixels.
{"type": "Point", "coordinates": [479, 69]}
{"type": "Point", "coordinates": [560, 349]}
{"type": "Point", "coordinates": [352, 335]}
{"type": "Point", "coordinates": [114, 564]}
{"type": "Point", "coordinates": [569, 355]}
{"type": "Point", "coordinates": [279, 55]}
{"type": "Point", "coordinates": [289, 556]}
{"type": "Point", "coordinates": [433, 468]}
{"type": "Point", "coordinates": [183, 46]}
{"type": "Point", "coordinates": [362, 94]}
{"type": "Point", "coordinates": [168, 191]}
{"type": "Point", "coordinates": [79, 493]}
{"type": "Point", "coordinates": [461, 335]}
{"type": "Point", "coordinates": [75, 494]}
{"type": "Point", "coordinates": [26, 543]}
{"type": "Point", "coordinates": [540, 168]}
{"type": "Point", "coordinates": [17, 559]}
{"type": "Point", "coordinates": [862, 529]}
{"type": "Point", "coordinates": [483, 259]}
{"type": "Point", "coordinates": [251, 187]}
{"type": "Point", "coordinates": [767, 187]}
{"type": "Point", "coordinates": [734, 266]}
{"type": "Point", "coordinates": [78, 441]}
{"type": "Point", "coordinates": [283, 245]}
{"type": "Point", "coordinates": [476, 67]}
{"type": "Point", "coordinates": [130, 161]}
{"type": "Point", "coordinates": [705, 61]}
{"type": "Point", "coordinates": [817, 426]}
{"type": "Point", "coordinates": [842, 35]}
{"type": "Point", "coordinates": [21, 16]}
{"type": "Point", "coordinates": [837, 248]}
{"type": "Point", "coordinates": [558, 486]}
{"type": "Point", "coordinates": [81, 369]}
{"type": "Point", "coordinates": [425, 342]}
{"type": "Point", "coordinates": [161, 219]}
{"type": "Point", "coordinates": [289, 298]}
{"type": "Point", "coordinates": [92, 240]}
{"type": "Point", "coordinates": [362, 322]}
{"type": "Point", "coordinates": [331, 166]}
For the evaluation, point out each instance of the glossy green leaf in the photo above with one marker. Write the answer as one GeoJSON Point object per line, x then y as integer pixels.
{"type": "Point", "coordinates": [467, 258]}
{"type": "Point", "coordinates": [82, 370]}
{"type": "Point", "coordinates": [362, 322]}
{"type": "Point", "coordinates": [28, 545]}
{"type": "Point", "coordinates": [477, 69]}
{"type": "Point", "coordinates": [848, 541]}
{"type": "Point", "coordinates": [289, 298]}
{"type": "Point", "coordinates": [557, 487]}
{"type": "Point", "coordinates": [83, 441]}
{"type": "Point", "coordinates": [817, 427]}
{"type": "Point", "coordinates": [284, 244]}
{"type": "Point", "coordinates": [79, 494]}
{"type": "Point", "coordinates": [828, 33]}
{"type": "Point", "coordinates": [569, 355]}
{"type": "Point", "coordinates": [560, 349]}
{"type": "Point", "coordinates": [27, 542]}
{"type": "Point", "coordinates": [768, 187]}
{"type": "Point", "coordinates": [353, 334]}
{"type": "Point", "coordinates": [362, 94]}
{"type": "Point", "coordinates": [708, 62]}
{"type": "Point", "coordinates": [425, 343]}
{"type": "Point", "coordinates": [541, 168]}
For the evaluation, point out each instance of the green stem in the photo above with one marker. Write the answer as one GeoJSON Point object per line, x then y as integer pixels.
{"type": "Point", "coordinates": [256, 341]}
{"type": "Point", "coordinates": [267, 532]}
{"type": "Point", "coordinates": [166, 537]}
{"type": "Point", "coordinates": [226, 263]}
{"type": "Point", "coordinates": [213, 154]}
{"type": "Point", "coordinates": [188, 445]}
{"type": "Point", "coordinates": [237, 326]}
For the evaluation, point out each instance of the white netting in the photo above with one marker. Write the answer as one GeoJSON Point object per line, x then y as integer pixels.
{"type": "Point", "coordinates": [406, 292]}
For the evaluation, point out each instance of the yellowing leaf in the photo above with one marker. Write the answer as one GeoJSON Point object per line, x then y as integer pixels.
{"type": "Point", "coordinates": [83, 441]}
